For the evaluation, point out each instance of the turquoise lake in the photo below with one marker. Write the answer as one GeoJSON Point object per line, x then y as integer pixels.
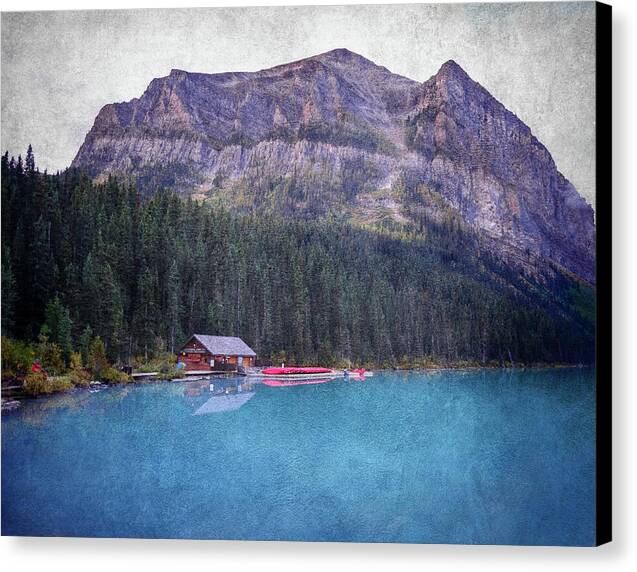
{"type": "Point", "coordinates": [481, 456]}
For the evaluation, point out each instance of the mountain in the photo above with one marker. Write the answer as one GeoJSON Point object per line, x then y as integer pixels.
{"type": "Point", "coordinates": [337, 135]}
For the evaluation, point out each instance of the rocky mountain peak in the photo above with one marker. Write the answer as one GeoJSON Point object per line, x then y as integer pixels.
{"type": "Point", "coordinates": [451, 70]}
{"type": "Point", "coordinates": [344, 56]}
{"type": "Point", "coordinates": [338, 133]}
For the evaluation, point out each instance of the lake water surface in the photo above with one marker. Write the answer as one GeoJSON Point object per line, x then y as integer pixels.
{"type": "Point", "coordinates": [446, 457]}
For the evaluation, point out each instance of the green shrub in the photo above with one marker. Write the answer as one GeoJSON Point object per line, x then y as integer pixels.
{"type": "Point", "coordinates": [167, 366]}
{"type": "Point", "coordinates": [37, 383]}
{"type": "Point", "coordinates": [79, 377]}
{"type": "Point", "coordinates": [17, 356]}
{"type": "Point", "coordinates": [59, 383]}
{"type": "Point", "coordinates": [175, 373]}
{"type": "Point", "coordinates": [77, 374]}
{"type": "Point", "coordinates": [75, 360]}
{"type": "Point", "coordinates": [97, 356]}
{"type": "Point", "coordinates": [50, 353]}
{"type": "Point", "coordinates": [111, 375]}
{"type": "Point", "coordinates": [164, 364]}
{"type": "Point", "coordinates": [52, 360]}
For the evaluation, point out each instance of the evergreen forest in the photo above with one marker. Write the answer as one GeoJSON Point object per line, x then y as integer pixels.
{"type": "Point", "coordinates": [82, 260]}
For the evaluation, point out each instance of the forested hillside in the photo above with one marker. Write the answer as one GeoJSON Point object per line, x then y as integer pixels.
{"type": "Point", "coordinates": [144, 273]}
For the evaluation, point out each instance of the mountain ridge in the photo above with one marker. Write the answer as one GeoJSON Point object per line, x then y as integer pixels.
{"type": "Point", "coordinates": [324, 134]}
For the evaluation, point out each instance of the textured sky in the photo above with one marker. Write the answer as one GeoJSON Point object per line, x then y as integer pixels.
{"type": "Point", "coordinates": [538, 59]}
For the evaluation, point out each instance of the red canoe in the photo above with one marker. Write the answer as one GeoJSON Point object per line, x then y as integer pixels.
{"type": "Point", "coordinates": [295, 370]}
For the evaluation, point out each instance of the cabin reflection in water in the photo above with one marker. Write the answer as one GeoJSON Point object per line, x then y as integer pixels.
{"type": "Point", "coordinates": [224, 395]}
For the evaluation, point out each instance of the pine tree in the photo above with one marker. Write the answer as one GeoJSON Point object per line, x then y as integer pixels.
{"type": "Point", "coordinates": [30, 161]}
{"type": "Point", "coordinates": [102, 305]}
{"type": "Point", "coordinates": [59, 324]}
{"type": "Point", "coordinates": [9, 294]}
{"type": "Point", "coordinates": [173, 303]}
{"type": "Point", "coordinates": [42, 267]}
{"type": "Point", "coordinates": [85, 343]}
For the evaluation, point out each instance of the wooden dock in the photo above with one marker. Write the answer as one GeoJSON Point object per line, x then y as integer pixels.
{"type": "Point", "coordinates": [144, 374]}
{"type": "Point", "coordinates": [207, 372]}
{"type": "Point", "coordinates": [188, 373]}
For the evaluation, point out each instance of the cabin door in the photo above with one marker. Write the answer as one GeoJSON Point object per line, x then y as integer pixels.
{"type": "Point", "coordinates": [240, 361]}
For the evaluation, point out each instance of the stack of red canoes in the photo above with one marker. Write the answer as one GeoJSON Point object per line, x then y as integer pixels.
{"type": "Point", "coordinates": [295, 370]}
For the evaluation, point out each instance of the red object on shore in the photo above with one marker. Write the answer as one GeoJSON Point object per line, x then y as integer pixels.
{"type": "Point", "coordinates": [295, 370]}
{"type": "Point", "coordinates": [36, 366]}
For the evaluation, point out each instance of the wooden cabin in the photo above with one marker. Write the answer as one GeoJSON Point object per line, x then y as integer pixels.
{"type": "Point", "coordinates": [215, 353]}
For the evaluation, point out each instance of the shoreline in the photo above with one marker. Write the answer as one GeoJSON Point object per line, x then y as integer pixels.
{"type": "Point", "coordinates": [12, 402]}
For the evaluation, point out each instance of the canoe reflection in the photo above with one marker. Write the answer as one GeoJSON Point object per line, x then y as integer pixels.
{"type": "Point", "coordinates": [288, 382]}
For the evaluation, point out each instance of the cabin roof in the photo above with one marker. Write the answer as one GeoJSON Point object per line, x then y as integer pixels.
{"type": "Point", "coordinates": [224, 345]}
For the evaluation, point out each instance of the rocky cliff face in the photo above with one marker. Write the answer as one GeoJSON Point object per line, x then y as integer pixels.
{"type": "Point", "coordinates": [489, 166]}
{"type": "Point", "coordinates": [336, 133]}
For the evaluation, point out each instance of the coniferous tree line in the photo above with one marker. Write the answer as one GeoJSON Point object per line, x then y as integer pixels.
{"type": "Point", "coordinates": [87, 260]}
